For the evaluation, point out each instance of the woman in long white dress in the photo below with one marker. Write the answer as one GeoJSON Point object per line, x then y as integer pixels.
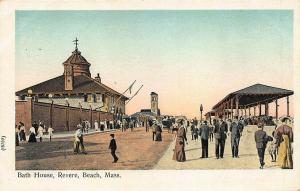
{"type": "Point", "coordinates": [41, 132]}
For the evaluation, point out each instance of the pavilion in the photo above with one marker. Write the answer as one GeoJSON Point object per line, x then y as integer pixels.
{"type": "Point", "coordinates": [252, 97]}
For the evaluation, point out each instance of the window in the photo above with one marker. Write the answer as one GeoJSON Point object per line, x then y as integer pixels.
{"type": "Point", "coordinates": [103, 98]}
{"type": "Point", "coordinates": [85, 98]}
{"type": "Point", "coordinates": [112, 100]}
{"type": "Point", "coordinates": [94, 98]}
{"type": "Point", "coordinates": [99, 98]}
{"type": "Point", "coordinates": [89, 97]}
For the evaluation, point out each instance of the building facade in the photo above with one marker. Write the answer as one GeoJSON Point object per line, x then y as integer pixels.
{"type": "Point", "coordinates": [77, 89]}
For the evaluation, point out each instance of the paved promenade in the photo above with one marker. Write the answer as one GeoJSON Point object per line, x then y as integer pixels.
{"type": "Point", "coordinates": [136, 151]}
{"type": "Point", "coordinates": [248, 155]}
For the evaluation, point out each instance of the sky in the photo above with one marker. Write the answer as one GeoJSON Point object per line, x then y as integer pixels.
{"type": "Point", "coordinates": [188, 57]}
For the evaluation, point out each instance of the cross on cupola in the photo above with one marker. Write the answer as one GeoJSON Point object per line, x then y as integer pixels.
{"type": "Point", "coordinates": [76, 43]}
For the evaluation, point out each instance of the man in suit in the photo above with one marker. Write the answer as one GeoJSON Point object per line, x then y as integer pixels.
{"type": "Point", "coordinates": [220, 131]}
{"type": "Point", "coordinates": [113, 148]}
{"type": "Point", "coordinates": [204, 134]}
{"type": "Point", "coordinates": [236, 131]}
{"type": "Point", "coordinates": [261, 138]}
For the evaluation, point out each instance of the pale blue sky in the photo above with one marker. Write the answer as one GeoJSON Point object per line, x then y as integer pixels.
{"type": "Point", "coordinates": [187, 57]}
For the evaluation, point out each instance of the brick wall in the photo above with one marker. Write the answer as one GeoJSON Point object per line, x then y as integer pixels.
{"type": "Point", "coordinates": [23, 113]}
{"type": "Point", "coordinates": [64, 118]}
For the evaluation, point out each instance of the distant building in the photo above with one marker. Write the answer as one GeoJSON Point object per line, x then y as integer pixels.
{"type": "Point", "coordinates": [154, 111]}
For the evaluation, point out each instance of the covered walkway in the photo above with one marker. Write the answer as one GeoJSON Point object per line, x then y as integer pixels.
{"type": "Point", "coordinates": [255, 96]}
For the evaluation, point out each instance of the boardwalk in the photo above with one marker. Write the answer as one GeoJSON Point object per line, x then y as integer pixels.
{"type": "Point", "coordinates": [248, 155]}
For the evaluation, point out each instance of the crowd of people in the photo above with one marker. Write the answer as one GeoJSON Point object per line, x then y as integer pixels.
{"type": "Point", "coordinates": [279, 143]}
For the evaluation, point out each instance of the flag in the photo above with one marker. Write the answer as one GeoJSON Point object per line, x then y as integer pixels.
{"type": "Point", "coordinates": [130, 87]}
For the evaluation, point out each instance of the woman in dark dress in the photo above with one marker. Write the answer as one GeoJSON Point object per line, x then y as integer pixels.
{"type": "Point", "coordinates": [32, 138]}
{"type": "Point", "coordinates": [22, 132]}
{"type": "Point", "coordinates": [158, 131]}
{"type": "Point", "coordinates": [17, 135]}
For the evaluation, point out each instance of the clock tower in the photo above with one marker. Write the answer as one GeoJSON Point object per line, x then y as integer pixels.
{"type": "Point", "coordinates": [154, 102]}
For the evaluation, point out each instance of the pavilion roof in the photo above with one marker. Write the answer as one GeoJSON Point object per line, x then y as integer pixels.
{"type": "Point", "coordinates": [82, 85]}
{"type": "Point", "coordinates": [252, 95]}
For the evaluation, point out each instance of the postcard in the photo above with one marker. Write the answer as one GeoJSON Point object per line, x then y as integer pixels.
{"type": "Point", "coordinates": [149, 95]}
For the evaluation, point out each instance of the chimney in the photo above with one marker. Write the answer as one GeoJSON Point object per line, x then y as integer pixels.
{"type": "Point", "coordinates": [98, 78]}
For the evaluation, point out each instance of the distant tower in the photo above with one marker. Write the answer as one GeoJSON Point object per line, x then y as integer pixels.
{"type": "Point", "coordinates": [154, 102]}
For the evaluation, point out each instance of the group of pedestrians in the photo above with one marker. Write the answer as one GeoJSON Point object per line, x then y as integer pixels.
{"type": "Point", "coordinates": [281, 144]}
{"type": "Point", "coordinates": [36, 130]}
{"type": "Point", "coordinates": [79, 143]}
{"type": "Point", "coordinates": [218, 130]}
{"type": "Point", "coordinates": [281, 140]}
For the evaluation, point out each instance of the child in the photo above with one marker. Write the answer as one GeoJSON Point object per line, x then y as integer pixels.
{"type": "Point", "coordinates": [195, 133]}
{"type": "Point", "coordinates": [50, 131]}
{"type": "Point", "coordinates": [273, 149]}
{"type": "Point", "coordinates": [113, 148]}
{"type": "Point", "coordinates": [192, 131]}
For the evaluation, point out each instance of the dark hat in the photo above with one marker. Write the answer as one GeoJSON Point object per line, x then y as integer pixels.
{"type": "Point", "coordinates": [260, 125]}
{"type": "Point", "coordinates": [112, 135]}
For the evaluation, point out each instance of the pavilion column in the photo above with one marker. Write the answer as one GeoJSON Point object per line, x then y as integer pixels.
{"type": "Point", "coordinates": [245, 111]}
{"type": "Point", "coordinates": [276, 108]}
{"type": "Point", "coordinates": [237, 105]}
{"type": "Point", "coordinates": [249, 110]}
{"type": "Point", "coordinates": [231, 108]}
{"type": "Point", "coordinates": [267, 109]}
{"type": "Point", "coordinates": [228, 111]}
{"type": "Point", "coordinates": [254, 111]}
{"type": "Point", "coordinates": [259, 107]}
{"type": "Point", "coordinates": [224, 111]}
{"type": "Point", "coordinates": [227, 108]}
{"type": "Point", "coordinates": [287, 106]}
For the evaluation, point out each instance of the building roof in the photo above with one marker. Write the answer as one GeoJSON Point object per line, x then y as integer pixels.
{"type": "Point", "coordinates": [82, 85]}
{"type": "Point", "coordinates": [254, 94]}
{"type": "Point", "coordinates": [77, 58]}
{"type": "Point", "coordinates": [149, 114]}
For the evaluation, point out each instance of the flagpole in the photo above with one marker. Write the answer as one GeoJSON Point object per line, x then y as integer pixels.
{"type": "Point", "coordinates": [125, 92]}
{"type": "Point", "coordinates": [134, 94]}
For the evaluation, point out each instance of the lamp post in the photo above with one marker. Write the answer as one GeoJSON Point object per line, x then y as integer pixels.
{"type": "Point", "coordinates": [91, 114]}
{"type": "Point", "coordinates": [67, 113]}
{"type": "Point", "coordinates": [99, 115]}
{"type": "Point", "coordinates": [80, 111]}
{"type": "Point", "coordinates": [201, 110]}
{"type": "Point", "coordinates": [29, 92]}
{"type": "Point", "coordinates": [50, 96]}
